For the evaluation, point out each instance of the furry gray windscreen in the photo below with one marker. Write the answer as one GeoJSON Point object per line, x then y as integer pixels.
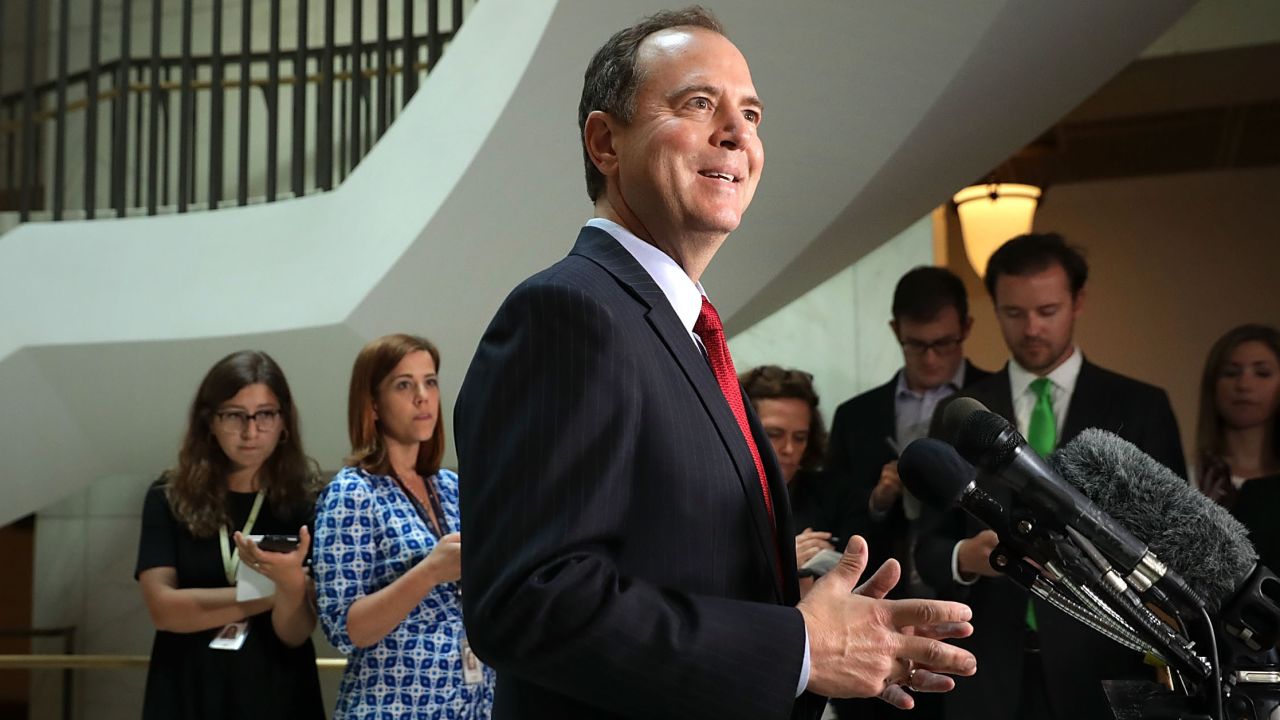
{"type": "Point", "coordinates": [1191, 534]}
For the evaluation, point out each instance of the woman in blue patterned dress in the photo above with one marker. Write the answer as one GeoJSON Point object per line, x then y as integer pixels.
{"type": "Point", "coordinates": [388, 552]}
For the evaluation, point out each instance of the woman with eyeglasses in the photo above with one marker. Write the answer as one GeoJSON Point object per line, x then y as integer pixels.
{"type": "Point", "coordinates": [241, 471]}
{"type": "Point", "coordinates": [389, 551]}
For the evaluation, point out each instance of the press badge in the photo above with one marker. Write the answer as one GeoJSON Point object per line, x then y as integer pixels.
{"type": "Point", "coordinates": [472, 670]}
{"type": "Point", "coordinates": [231, 637]}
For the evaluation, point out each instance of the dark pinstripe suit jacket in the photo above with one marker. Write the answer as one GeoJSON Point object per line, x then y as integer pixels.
{"type": "Point", "coordinates": [618, 560]}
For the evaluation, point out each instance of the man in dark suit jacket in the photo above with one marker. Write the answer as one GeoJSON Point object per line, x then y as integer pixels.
{"type": "Point", "coordinates": [628, 546]}
{"type": "Point", "coordinates": [1037, 662]}
{"type": "Point", "coordinates": [931, 322]}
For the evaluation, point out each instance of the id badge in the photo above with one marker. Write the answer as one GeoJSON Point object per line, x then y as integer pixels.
{"type": "Point", "coordinates": [472, 670]}
{"type": "Point", "coordinates": [231, 637]}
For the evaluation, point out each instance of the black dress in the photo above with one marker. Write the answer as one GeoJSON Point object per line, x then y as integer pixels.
{"type": "Point", "coordinates": [189, 680]}
{"type": "Point", "coordinates": [1255, 507]}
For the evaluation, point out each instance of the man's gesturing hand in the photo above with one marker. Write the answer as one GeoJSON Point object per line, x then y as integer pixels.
{"type": "Point", "coordinates": [861, 645]}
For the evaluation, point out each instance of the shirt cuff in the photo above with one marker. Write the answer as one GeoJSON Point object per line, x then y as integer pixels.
{"type": "Point", "coordinates": [804, 667]}
{"type": "Point", "coordinates": [955, 568]}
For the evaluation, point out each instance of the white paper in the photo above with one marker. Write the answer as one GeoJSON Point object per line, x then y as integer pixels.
{"type": "Point", "coordinates": [822, 563]}
{"type": "Point", "coordinates": [251, 584]}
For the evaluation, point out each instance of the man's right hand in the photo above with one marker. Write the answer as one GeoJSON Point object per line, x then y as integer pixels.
{"type": "Point", "coordinates": [861, 645]}
{"type": "Point", "coordinates": [887, 489]}
{"type": "Point", "coordinates": [973, 556]}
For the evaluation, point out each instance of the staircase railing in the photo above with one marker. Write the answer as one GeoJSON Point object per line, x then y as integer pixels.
{"type": "Point", "coordinates": [153, 132]}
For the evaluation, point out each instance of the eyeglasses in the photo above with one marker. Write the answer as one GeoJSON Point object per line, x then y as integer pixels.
{"type": "Point", "coordinates": [238, 420]}
{"type": "Point", "coordinates": [941, 346]}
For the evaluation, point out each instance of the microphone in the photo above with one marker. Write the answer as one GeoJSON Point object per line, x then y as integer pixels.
{"type": "Point", "coordinates": [992, 444]}
{"type": "Point", "coordinates": [1201, 541]}
{"type": "Point", "coordinates": [1086, 590]}
{"type": "Point", "coordinates": [936, 474]}
{"type": "Point", "coordinates": [1195, 536]}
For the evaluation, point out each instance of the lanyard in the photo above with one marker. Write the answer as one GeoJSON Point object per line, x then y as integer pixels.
{"type": "Point", "coordinates": [434, 523]}
{"type": "Point", "coordinates": [231, 558]}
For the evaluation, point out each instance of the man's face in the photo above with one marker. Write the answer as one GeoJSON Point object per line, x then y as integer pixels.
{"type": "Point", "coordinates": [932, 350]}
{"type": "Point", "coordinates": [1037, 314]}
{"type": "Point", "coordinates": [689, 160]}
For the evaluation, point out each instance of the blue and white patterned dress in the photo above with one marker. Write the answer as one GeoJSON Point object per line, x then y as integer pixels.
{"type": "Point", "coordinates": [367, 535]}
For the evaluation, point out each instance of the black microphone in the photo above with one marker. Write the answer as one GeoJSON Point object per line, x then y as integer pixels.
{"type": "Point", "coordinates": [936, 474]}
{"type": "Point", "coordinates": [988, 441]}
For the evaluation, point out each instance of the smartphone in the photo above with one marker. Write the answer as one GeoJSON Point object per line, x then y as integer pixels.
{"type": "Point", "coordinates": [278, 543]}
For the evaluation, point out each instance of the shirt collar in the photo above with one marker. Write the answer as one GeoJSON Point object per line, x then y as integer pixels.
{"type": "Point", "coordinates": [955, 383]}
{"type": "Point", "coordinates": [682, 292]}
{"type": "Point", "coordinates": [1064, 376]}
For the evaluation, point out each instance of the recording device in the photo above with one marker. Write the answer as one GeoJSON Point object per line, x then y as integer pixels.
{"type": "Point", "coordinates": [1070, 572]}
{"type": "Point", "coordinates": [278, 543]}
{"type": "Point", "coordinates": [991, 443]}
{"type": "Point", "coordinates": [1101, 509]}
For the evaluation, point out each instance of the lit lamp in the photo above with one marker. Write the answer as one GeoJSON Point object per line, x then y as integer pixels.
{"type": "Point", "coordinates": [992, 214]}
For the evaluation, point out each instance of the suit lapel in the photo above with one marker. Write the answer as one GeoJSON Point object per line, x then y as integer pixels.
{"type": "Point", "coordinates": [1088, 404]}
{"type": "Point", "coordinates": [887, 411]}
{"type": "Point", "coordinates": [600, 247]}
{"type": "Point", "coordinates": [1000, 399]}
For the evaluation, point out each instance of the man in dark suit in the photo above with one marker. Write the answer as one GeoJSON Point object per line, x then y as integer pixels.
{"type": "Point", "coordinates": [931, 322]}
{"type": "Point", "coordinates": [1037, 662]}
{"type": "Point", "coordinates": [629, 546]}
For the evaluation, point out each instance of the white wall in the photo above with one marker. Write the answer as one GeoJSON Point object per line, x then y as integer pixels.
{"type": "Point", "coordinates": [839, 331]}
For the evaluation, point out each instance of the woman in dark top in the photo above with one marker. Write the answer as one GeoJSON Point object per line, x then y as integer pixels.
{"type": "Point", "coordinates": [1237, 438]}
{"type": "Point", "coordinates": [241, 470]}
{"type": "Point", "coordinates": [787, 406]}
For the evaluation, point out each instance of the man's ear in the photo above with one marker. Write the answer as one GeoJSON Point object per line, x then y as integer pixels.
{"type": "Point", "coordinates": [1077, 303]}
{"type": "Point", "coordinates": [965, 327]}
{"type": "Point", "coordinates": [893, 325]}
{"type": "Point", "coordinates": [597, 137]}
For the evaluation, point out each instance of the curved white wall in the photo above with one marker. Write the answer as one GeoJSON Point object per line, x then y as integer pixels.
{"type": "Point", "coordinates": [876, 111]}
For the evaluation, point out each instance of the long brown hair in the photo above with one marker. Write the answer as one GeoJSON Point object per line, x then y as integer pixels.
{"type": "Point", "coordinates": [374, 363]}
{"type": "Point", "coordinates": [197, 487]}
{"type": "Point", "coordinates": [1209, 424]}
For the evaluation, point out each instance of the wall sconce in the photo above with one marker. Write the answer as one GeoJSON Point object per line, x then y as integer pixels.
{"type": "Point", "coordinates": [992, 214]}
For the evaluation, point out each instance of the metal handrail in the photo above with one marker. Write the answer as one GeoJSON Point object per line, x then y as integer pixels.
{"type": "Point", "coordinates": [42, 115]}
{"type": "Point", "coordinates": [109, 662]}
{"type": "Point", "coordinates": [145, 121]}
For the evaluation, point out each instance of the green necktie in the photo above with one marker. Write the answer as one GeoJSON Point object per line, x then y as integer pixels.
{"type": "Point", "coordinates": [1042, 436]}
{"type": "Point", "coordinates": [1042, 431]}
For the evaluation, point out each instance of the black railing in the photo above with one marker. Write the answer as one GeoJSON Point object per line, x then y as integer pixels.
{"type": "Point", "coordinates": [166, 137]}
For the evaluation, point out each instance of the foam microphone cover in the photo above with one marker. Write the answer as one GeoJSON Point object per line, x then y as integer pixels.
{"type": "Point", "coordinates": [1190, 533]}
{"type": "Point", "coordinates": [934, 472]}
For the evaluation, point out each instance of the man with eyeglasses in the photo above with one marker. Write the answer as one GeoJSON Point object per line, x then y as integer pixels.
{"type": "Point", "coordinates": [931, 322]}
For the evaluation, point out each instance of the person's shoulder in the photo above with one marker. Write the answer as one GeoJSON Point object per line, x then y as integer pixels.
{"type": "Point", "coordinates": [982, 388]}
{"type": "Point", "coordinates": [858, 403]}
{"type": "Point", "coordinates": [974, 374]}
{"type": "Point", "coordinates": [351, 481]}
{"type": "Point", "coordinates": [1117, 384]}
{"type": "Point", "coordinates": [448, 480]}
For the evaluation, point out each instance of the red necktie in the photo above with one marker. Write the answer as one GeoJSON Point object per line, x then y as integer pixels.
{"type": "Point", "coordinates": [711, 331]}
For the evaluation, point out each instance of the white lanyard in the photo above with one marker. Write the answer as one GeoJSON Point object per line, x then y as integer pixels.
{"type": "Point", "coordinates": [231, 558]}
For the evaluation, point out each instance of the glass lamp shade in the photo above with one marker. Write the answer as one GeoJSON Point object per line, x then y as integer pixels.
{"type": "Point", "coordinates": [992, 214]}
